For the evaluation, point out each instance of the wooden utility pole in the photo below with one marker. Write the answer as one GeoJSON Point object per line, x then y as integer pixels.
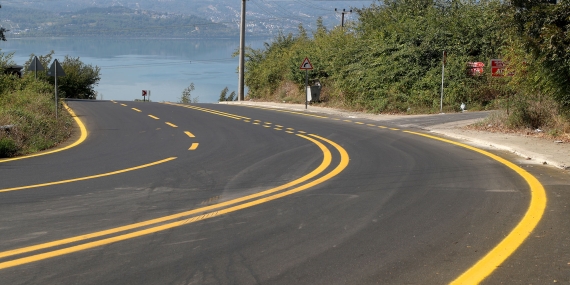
{"type": "Point", "coordinates": [342, 18]}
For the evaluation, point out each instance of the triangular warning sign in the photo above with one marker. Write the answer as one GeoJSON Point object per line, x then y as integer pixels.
{"type": "Point", "coordinates": [306, 65]}
{"type": "Point", "coordinates": [55, 69]}
{"type": "Point", "coordinates": [35, 65]}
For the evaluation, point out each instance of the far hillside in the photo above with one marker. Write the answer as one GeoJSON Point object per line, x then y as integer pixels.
{"type": "Point", "coordinates": [115, 21]}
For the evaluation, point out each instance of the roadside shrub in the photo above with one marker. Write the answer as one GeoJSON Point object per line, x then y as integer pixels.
{"type": "Point", "coordinates": [7, 147]}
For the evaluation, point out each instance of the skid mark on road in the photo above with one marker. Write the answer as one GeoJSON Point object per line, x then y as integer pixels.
{"type": "Point", "coordinates": [309, 180]}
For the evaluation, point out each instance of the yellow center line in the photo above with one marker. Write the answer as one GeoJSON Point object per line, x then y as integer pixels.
{"type": "Point", "coordinates": [154, 117]}
{"type": "Point", "coordinates": [278, 129]}
{"type": "Point", "coordinates": [194, 146]}
{"type": "Point", "coordinates": [327, 158]}
{"type": "Point", "coordinates": [210, 111]}
{"type": "Point", "coordinates": [82, 138]}
{"type": "Point", "coordinates": [371, 125]}
{"type": "Point", "coordinates": [382, 127]}
{"type": "Point", "coordinates": [136, 110]}
{"type": "Point", "coordinates": [394, 129]}
{"type": "Point", "coordinates": [189, 134]}
{"type": "Point", "coordinates": [289, 132]}
{"type": "Point", "coordinates": [493, 259]}
{"type": "Point", "coordinates": [87, 177]}
{"type": "Point", "coordinates": [360, 123]}
{"type": "Point", "coordinates": [286, 111]}
{"type": "Point", "coordinates": [123, 105]}
{"type": "Point", "coordinates": [171, 124]}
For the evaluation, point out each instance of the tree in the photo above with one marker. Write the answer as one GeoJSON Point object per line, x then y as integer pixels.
{"type": "Point", "coordinates": [544, 27]}
{"type": "Point", "coordinates": [2, 31]}
{"type": "Point", "coordinates": [186, 97]}
{"type": "Point", "coordinates": [80, 79]}
{"type": "Point", "coordinates": [232, 96]}
{"type": "Point", "coordinates": [223, 95]}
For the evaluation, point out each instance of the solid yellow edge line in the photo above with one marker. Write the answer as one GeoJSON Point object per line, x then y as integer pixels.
{"type": "Point", "coordinates": [492, 260]}
{"type": "Point", "coordinates": [342, 165]}
{"type": "Point", "coordinates": [81, 139]}
{"type": "Point", "coordinates": [327, 159]}
{"type": "Point", "coordinates": [87, 177]}
{"type": "Point", "coordinates": [194, 146]}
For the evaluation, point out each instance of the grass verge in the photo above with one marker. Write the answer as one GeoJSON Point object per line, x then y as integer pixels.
{"type": "Point", "coordinates": [35, 127]}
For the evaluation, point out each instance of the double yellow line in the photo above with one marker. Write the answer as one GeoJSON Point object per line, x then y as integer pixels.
{"type": "Point", "coordinates": [83, 242]}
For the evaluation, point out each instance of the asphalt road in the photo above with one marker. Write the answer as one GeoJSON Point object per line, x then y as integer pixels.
{"type": "Point", "coordinates": [224, 194]}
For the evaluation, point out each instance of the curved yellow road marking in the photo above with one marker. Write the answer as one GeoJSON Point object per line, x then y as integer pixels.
{"type": "Point", "coordinates": [81, 139]}
{"type": "Point", "coordinates": [327, 158]}
{"type": "Point", "coordinates": [326, 161]}
{"type": "Point", "coordinates": [486, 265]}
{"type": "Point", "coordinates": [87, 177]}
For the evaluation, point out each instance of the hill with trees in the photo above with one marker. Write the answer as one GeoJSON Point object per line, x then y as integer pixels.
{"type": "Point", "coordinates": [115, 21]}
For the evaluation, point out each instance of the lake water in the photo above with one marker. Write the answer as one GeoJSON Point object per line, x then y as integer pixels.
{"type": "Point", "coordinates": [163, 66]}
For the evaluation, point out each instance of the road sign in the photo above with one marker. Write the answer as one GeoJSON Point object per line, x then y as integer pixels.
{"type": "Point", "coordinates": [475, 68]}
{"type": "Point", "coordinates": [144, 92]}
{"type": "Point", "coordinates": [499, 68]}
{"type": "Point", "coordinates": [306, 65]}
{"type": "Point", "coordinates": [36, 65]}
{"type": "Point", "coordinates": [55, 69]}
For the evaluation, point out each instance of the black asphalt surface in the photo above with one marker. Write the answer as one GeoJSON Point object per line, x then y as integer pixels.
{"type": "Point", "coordinates": [405, 210]}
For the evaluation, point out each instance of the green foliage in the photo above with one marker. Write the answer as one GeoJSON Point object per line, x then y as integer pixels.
{"type": "Point", "coordinates": [223, 95]}
{"type": "Point", "coordinates": [186, 97]}
{"type": "Point", "coordinates": [390, 60]}
{"type": "Point", "coordinates": [2, 31]}
{"type": "Point", "coordinates": [79, 81]}
{"type": "Point", "coordinates": [543, 31]}
{"type": "Point", "coordinates": [25, 105]}
{"type": "Point", "coordinates": [7, 147]}
{"type": "Point", "coordinates": [232, 96]}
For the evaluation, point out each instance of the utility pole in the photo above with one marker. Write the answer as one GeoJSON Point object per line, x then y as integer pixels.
{"type": "Point", "coordinates": [241, 53]}
{"type": "Point", "coordinates": [342, 18]}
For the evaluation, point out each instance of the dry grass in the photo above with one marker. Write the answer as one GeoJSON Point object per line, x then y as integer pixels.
{"type": "Point", "coordinates": [35, 126]}
{"type": "Point", "coordinates": [557, 128]}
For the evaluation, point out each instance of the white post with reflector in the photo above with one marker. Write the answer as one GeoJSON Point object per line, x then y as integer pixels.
{"type": "Point", "coordinates": [306, 65]}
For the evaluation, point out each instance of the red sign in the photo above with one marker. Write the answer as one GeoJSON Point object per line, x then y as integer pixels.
{"type": "Point", "coordinates": [306, 65]}
{"type": "Point", "coordinates": [499, 68]}
{"type": "Point", "coordinates": [475, 68]}
{"type": "Point", "coordinates": [144, 92]}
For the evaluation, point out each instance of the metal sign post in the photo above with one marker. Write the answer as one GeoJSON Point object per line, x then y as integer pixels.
{"type": "Point", "coordinates": [56, 70]}
{"type": "Point", "coordinates": [442, 77]}
{"type": "Point", "coordinates": [306, 65]}
{"type": "Point", "coordinates": [36, 66]}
